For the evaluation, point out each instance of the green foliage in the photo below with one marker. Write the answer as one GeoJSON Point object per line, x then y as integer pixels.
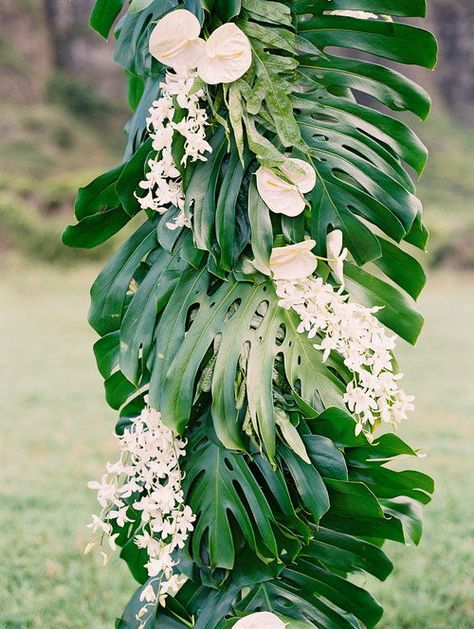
{"type": "Point", "coordinates": [290, 501]}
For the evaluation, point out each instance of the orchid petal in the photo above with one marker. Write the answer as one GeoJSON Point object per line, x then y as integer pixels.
{"type": "Point", "coordinates": [334, 243]}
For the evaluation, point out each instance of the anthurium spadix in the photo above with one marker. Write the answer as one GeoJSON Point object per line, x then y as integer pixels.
{"type": "Point", "coordinates": [293, 262]}
{"type": "Point", "coordinates": [175, 40]}
{"type": "Point", "coordinates": [223, 58]}
{"type": "Point", "coordinates": [336, 254]}
{"type": "Point", "coordinates": [260, 620]}
{"type": "Point", "coordinates": [286, 197]}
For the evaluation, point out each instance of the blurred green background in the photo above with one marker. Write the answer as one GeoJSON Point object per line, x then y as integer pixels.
{"type": "Point", "coordinates": [61, 114]}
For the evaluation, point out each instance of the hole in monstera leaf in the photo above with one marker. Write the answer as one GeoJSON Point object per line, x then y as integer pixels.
{"type": "Point", "coordinates": [297, 386]}
{"type": "Point", "coordinates": [241, 493]}
{"type": "Point", "coordinates": [259, 315]}
{"type": "Point", "coordinates": [214, 285]}
{"type": "Point", "coordinates": [354, 151]}
{"type": "Point", "coordinates": [203, 554]}
{"type": "Point", "coordinates": [281, 335]}
{"type": "Point", "coordinates": [383, 144]}
{"type": "Point", "coordinates": [346, 178]}
{"type": "Point", "coordinates": [233, 308]}
{"type": "Point", "coordinates": [319, 117]}
{"type": "Point", "coordinates": [318, 137]}
{"type": "Point", "coordinates": [228, 464]}
{"type": "Point", "coordinates": [191, 316]}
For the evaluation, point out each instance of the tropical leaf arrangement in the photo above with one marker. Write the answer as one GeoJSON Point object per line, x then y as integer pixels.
{"type": "Point", "coordinates": [247, 327]}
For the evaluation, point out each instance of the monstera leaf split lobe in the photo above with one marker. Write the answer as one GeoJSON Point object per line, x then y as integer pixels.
{"type": "Point", "coordinates": [289, 501]}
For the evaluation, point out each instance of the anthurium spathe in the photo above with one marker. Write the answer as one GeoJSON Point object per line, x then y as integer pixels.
{"type": "Point", "coordinates": [260, 620]}
{"type": "Point", "coordinates": [293, 262]}
{"type": "Point", "coordinates": [286, 197]}
{"type": "Point", "coordinates": [227, 56]}
{"type": "Point", "coordinates": [223, 58]}
{"type": "Point", "coordinates": [359, 15]}
{"type": "Point", "coordinates": [175, 40]}
{"type": "Point", "coordinates": [336, 254]}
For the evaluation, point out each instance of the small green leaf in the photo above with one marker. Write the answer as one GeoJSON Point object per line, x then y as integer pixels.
{"type": "Point", "coordinates": [96, 229]}
{"type": "Point", "coordinates": [309, 484]}
{"type": "Point", "coordinates": [104, 14]}
{"type": "Point", "coordinates": [397, 312]}
{"type": "Point", "coordinates": [138, 5]}
{"type": "Point", "coordinates": [291, 436]}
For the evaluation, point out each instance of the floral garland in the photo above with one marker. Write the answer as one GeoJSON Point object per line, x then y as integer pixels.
{"type": "Point", "coordinates": [141, 495]}
{"type": "Point", "coordinates": [148, 464]}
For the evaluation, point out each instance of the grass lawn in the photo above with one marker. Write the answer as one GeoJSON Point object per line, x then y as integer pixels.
{"type": "Point", "coordinates": [57, 435]}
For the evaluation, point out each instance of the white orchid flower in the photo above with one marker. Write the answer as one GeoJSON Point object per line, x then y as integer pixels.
{"type": "Point", "coordinates": [227, 56]}
{"type": "Point", "coordinates": [336, 254]}
{"type": "Point", "coordinates": [283, 197]}
{"type": "Point", "coordinates": [260, 620]}
{"type": "Point", "coordinates": [175, 40]}
{"type": "Point", "coordinates": [293, 262]}
{"type": "Point", "coordinates": [223, 58]}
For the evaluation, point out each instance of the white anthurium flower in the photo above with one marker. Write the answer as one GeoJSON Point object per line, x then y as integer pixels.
{"type": "Point", "coordinates": [175, 40]}
{"type": "Point", "coordinates": [260, 620]}
{"type": "Point", "coordinates": [293, 262]}
{"type": "Point", "coordinates": [359, 15]}
{"type": "Point", "coordinates": [336, 254]}
{"type": "Point", "coordinates": [286, 197]}
{"type": "Point", "coordinates": [227, 56]}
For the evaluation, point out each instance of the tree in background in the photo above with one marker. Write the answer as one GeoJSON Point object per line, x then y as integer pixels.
{"type": "Point", "coordinates": [247, 328]}
{"type": "Point", "coordinates": [454, 24]}
{"type": "Point", "coordinates": [64, 22]}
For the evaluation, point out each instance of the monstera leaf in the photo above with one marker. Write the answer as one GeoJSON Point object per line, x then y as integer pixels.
{"type": "Point", "coordinates": [240, 326]}
{"type": "Point", "coordinates": [222, 489]}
